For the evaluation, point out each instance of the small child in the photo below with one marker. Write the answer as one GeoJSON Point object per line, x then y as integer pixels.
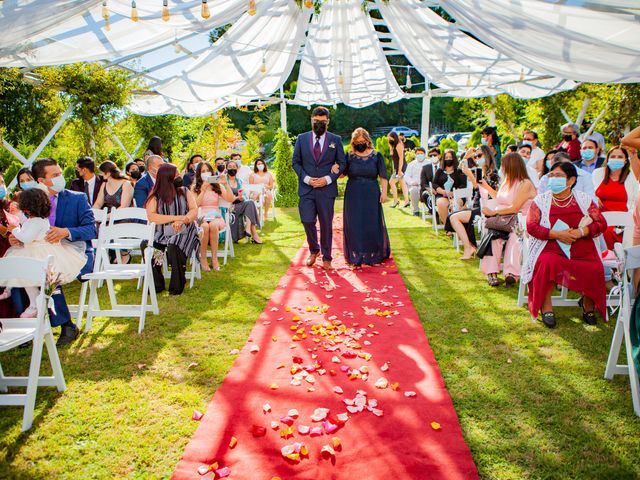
{"type": "Point", "coordinates": [68, 259]}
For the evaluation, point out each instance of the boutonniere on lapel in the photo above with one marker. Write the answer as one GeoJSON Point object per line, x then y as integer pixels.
{"type": "Point", "coordinates": [332, 145]}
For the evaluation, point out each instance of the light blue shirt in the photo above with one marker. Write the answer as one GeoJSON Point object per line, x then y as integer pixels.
{"type": "Point", "coordinates": [583, 184]}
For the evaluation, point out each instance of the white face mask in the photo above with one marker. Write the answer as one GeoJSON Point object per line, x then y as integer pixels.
{"type": "Point", "coordinates": [434, 158]}
{"type": "Point", "coordinates": [205, 176]}
{"type": "Point", "coordinates": [260, 167]}
{"type": "Point", "coordinates": [58, 183]}
{"type": "Point", "coordinates": [420, 158]}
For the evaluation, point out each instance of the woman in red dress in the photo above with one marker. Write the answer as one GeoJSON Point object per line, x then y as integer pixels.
{"type": "Point", "coordinates": [616, 189]}
{"type": "Point", "coordinates": [6, 306]}
{"type": "Point", "coordinates": [580, 268]}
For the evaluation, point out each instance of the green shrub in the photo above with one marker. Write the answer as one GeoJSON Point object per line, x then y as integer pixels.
{"type": "Point", "coordinates": [382, 146]}
{"type": "Point", "coordinates": [476, 138]}
{"type": "Point", "coordinates": [415, 140]}
{"type": "Point", "coordinates": [286, 178]}
{"type": "Point", "coordinates": [448, 144]}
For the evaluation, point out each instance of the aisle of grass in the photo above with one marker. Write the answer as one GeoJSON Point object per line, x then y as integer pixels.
{"type": "Point", "coordinates": [532, 402]}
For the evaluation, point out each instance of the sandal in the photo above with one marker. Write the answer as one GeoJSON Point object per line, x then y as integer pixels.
{"type": "Point", "coordinates": [587, 317]}
{"type": "Point", "coordinates": [493, 281]}
{"type": "Point", "coordinates": [395, 205]}
{"type": "Point", "coordinates": [549, 319]}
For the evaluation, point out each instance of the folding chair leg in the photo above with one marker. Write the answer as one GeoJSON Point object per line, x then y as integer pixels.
{"type": "Point", "coordinates": [54, 359]}
{"type": "Point", "coordinates": [81, 303]}
{"type": "Point", "coordinates": [93, 304]}
{"type": "Point", "coordinates": [32, 383]}
{"type": "Point", "coordinates": [3, 386]}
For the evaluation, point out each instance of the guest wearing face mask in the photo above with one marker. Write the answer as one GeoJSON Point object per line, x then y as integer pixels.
{"type": "Point", "coordinates": [187, 178]}
{"type": "Point", "coordinates": [262, 176]}
{"type": "Point", "coordinates": [427, 174]}
{"type": "Point", "coordinates": [221, 166]}
{"type": "Point", "coordinates": [132, 171]}
{"type": "Point", "coordinates": [87, 182]}
{"type": "Point", "coordinates": [562, 225]}
{"type": "Point", "coordinates": [396, 149]}
{"type": "Point", "coordinates": [446, 179]}
{"type": "Point", "coordinates": [583, 184]}
{"type": "Point", "coordinates": [412, 178]}
{"type": "Point", "coordinates": [590, 156]}
{"type": "Point", "coordinates": [616, 189]}
{"type": "Point", "coordinates": [525, 152]}
{"type": "Point", "coordinates": [147, 181]}
{"type": "Point", "coordinates": [25, 182]}
{"type": "Point", "coordinates": [529, 137]}
{"type": "Point", "coordinates": [491, 139]}
{"type": "Point", "coordinates": [242, 208]}
{"type": "Point", "coordinates": [570, 142]}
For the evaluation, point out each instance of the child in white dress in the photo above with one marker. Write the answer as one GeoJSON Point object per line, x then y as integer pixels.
{"type": "Point", "coordinates": [68, 259]}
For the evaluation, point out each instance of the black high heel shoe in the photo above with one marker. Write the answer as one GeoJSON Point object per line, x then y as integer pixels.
{"type": "Point", "coordinates": [252, 240]}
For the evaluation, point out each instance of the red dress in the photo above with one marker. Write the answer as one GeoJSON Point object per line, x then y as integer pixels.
{"type": "Point", "coordinates": [6, 306]}
{"type": "Point", "coordinates": [613, 197]}
{"type": "Point", "coordinates": [582, 273]}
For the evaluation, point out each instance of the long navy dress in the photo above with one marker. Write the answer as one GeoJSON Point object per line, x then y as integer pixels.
{"type": "Point", "coordinates": [365, 233]}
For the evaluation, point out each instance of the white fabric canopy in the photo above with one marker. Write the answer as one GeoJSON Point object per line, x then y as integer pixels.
{"type": "Point", "coordinates": [155, 104]}
{"type": "Point", "coordinates": [343, 61]}
{"type": "Point", "coordinates": [582, 40]}
{"type": "Point", "coordinates": [457, 62]}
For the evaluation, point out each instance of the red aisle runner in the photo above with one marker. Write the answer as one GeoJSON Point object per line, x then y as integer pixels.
{"type": "Point", "coordinates": [372, 314]}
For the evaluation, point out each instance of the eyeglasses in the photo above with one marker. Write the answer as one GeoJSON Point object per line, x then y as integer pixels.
{"type": "Point", "coordinates": [557, 175]}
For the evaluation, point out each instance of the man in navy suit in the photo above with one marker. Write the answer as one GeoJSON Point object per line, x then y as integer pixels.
{"type": "Point", "coordinates": [144, 186]}
{"type": "Point", "coordinates": [314, 155]}
{"type": "Point", "coordinates": [87, 182]}
{"type": "Point", "coordinates": [71, 218]}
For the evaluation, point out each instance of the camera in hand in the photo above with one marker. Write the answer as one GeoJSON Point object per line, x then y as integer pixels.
{"type": "Point", "coordinates": [214, 179]}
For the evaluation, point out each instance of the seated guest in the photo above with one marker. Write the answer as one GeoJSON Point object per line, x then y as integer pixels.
{"type": "Point", "coordinates": [132, 170]}
{"type": "Point", "coordinates": [616, 189]}
{"type": "Point", "coordinates": [483, 174]}
{"type": "Point", "coordinates": [145, 184]}
{"type": "Point", "coordinates": [491, 139]}
{"type": "Point", "coordinates": [244, 172]}
{"type": "Point", "coordinates": [514, 196]}
{"type": "Point", "coordinates": [590, 156]}
{"type": "Point", "coordinates": [570, 142]}
{"type": "Point", "coordinates": [242, 208]}
{"type": "Point", "coordinates": [208, 200]}
{"type": "Point", "coordinates": [87, 181]}
{"type": "Point", "coordinates": [584, 183]}
{"type": "Point", "coordinates": [141, 164]}
{"type": "Point", "coordinates": [529, 137]}
{"type": "Point", "coordinates": [261, 176]}
{"type": "Point", "coordinates": [116, 191]}
{"type": "Point", "coordinates": [427, 174]}
{"type": "Point", "coordinates": [187, 178]}
{"type": "Point", "coordinates": [564, 256]}
{"type": "Point", "coordinates": [525, 151]}
{"type": "Point", "coordinates": [446, 179]}
{"type": "Point", "coordinates": [412, 179]}
{"type": "Point", "coordinates": [25, 180]}
{"type": "Point", "coordinates": [7, 222]}
{"type": "Point", "coordinates": [70, 218]}
{"type": "Point", "coordinates": [221, 165]}
{"type": "Point", "coordinates": [174, 211]}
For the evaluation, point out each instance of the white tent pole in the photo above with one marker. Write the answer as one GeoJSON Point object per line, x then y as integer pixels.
{"type": "Point", "coordinates": [117, 140]}
{"type": "Point", "coordinates": [283, 111]}
{"type": "Point", "coordinates": [138, 145]}
{"type": "Point", "coordinates": [426, 118]}
{"type": "Point", "coordinates": [583, 110]}
{"type": "Point", "coordinates": [595, 121]}
{"type": "Point", "coordinates": [27, 162]}
{"type": "Point", "coordinates": [492, 112]}
{"type": "Point", "coordinates": [566, 115]}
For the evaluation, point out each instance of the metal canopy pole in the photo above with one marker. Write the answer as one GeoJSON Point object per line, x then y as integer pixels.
{"type": "Point", "coordinates": [283, 111]}
{"type": "Point", "coordinates": [426, 118]}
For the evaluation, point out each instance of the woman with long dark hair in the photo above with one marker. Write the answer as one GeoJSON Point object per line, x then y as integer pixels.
{"type": "Point", "coordinates": [262, 176]}
{"type": "Point", "coordinates": [116, 191]}
{"type": "Point", "coordinates": [174, 211]}
{"type": "Point", "coordinates": [396, 148]}
{"type": "Point", "coordinates": [242, 207]}
{"type": "Point", "coordinates": [491, 139]}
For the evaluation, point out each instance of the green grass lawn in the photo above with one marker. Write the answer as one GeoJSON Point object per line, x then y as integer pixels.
{"type": "Point", "coordinates": [532, 402]}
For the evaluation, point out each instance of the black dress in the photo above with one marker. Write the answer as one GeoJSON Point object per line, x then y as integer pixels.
{"type": "Point", "coordinates": [365, 233]}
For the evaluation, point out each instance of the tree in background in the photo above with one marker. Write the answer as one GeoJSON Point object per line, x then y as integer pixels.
{"type": "Point", "coordinates": [286, 178]}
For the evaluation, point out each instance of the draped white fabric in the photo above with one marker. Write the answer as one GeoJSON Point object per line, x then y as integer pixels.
{"type": "Point", "coordinates": [457, 62]}
{"type": "Point", "coordinates": [270, 40]}
{"type": "Point", "coordinates": [343, 61]}
{"type": "Point", "coordinates": [84, 37]}
{"type": "Point", "coordinates": [154, 104]}
{"type": "Point", "coordinates": [583, 40]}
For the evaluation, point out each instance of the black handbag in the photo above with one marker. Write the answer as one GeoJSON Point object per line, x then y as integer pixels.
{"type": "Point", "coordinates": [484, 248]}
{"type": "Point", "coordinates": [501, 223]}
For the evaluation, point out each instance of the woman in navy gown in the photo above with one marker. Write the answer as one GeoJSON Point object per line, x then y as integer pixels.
{"type": "Point", "coordinates": [365, 233]}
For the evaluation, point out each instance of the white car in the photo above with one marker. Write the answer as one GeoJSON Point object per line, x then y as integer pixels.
{"type": "Point", "coordinates": [408, 132]}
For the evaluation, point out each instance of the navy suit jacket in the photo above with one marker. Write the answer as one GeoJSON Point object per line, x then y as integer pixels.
{"type": "Point", "coordinates": [74, 213]}
{"type": "Point", "coordinates": [142, 190]}
{"type": "Point", "coordinates": [304, 163]}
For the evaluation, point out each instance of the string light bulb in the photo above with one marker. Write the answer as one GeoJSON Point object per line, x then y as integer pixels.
{"type": "Point", "coordinates": [134, 12]}
{"type": "Point", "coordinates": [408, 85]}
{"type": "Point", "coordinates": [308, 3]}
{"type": "Point", "coordinates": [165, 11]}
{"type": "Point", "coordinates": [522, 74]}
{"type": "Point", "coordinates": [252, 8]}
{"type": "Point", "coordinates": [105, 11]}
{"type": "Point", "coordinates": [204, 10]}
{"type": "Point", "coordinates": [263, 67]}
{"type": "Point", "coordinates": [468, 79]}
{"type": "Point", "coordinates": [340, 76]}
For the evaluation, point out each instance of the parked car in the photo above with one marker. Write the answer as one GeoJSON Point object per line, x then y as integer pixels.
{"type": "Point", "coordinates": [463, 141]}
{"type": "Point", "coordinates": [434, 140]}
{"type": "Point", "coordinates": [458, 135]}
{"type": "Point", "coordinates": [408, 132]}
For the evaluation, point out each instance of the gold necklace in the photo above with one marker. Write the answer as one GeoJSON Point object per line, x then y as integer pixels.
{"type": "Point", "coordinates": [560, 204]}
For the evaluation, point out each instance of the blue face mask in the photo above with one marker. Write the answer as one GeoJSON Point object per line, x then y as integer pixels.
{"type": "Point", "coordinates": [3, 192]}
{"type": "Point", "coordinates": [557, 184]}
{"type": "Point", "coordinates": [480, 162]}
{"type": "Point", "coordinates": [484, 141]}
{"type": "Point", "coordinates": [527, 142]}
{"type": "Point", "coordinates": [615, 164]}
{"type": "Point", "coordinates": [28, 185]}
{"type": "Point", "coordinates": [588, 155]}
{"type": "Point", "coordinates": [548, 164]}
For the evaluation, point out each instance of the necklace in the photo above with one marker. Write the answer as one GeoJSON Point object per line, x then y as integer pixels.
{"type": "Point", "coordinates": [564, 202]}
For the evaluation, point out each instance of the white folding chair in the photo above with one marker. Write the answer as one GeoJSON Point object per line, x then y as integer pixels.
{"type": "Point", "coordinates": [623, 220]}
{"type": "Point", "coordinates": [116, 237]}
{"type": "Point", "coordinates": [257, 189]}
{"type": "Point", "coordinates": [16, 331]}
{"type": "Point", "coordinates": [461, 196]}
{"type": "Point", "coordinates": [434, 212]}
{"type": "Point", "coordinates": [228, 250]}
{"type": "Point", "coordinates": [524, 248]}
{"type": "Point", "coordinates": [630, 260]}
{"type": "Point", "coordinates": [128, 213]}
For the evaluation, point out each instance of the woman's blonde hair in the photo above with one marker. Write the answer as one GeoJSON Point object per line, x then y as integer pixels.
{"type": "Point", "coordinates": [361, 132]}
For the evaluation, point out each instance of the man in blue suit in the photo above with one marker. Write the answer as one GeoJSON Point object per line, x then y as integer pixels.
{"type": "Point", "coordinates": [314, 155]}
{"type": "Point", "coordinates": [71, 218]}
{"type": "Point", "coordinates": [147, 181]}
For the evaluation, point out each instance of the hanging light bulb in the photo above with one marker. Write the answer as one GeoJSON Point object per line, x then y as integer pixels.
{"type": "Point", "coordinates": [204, 10]}
{"type": "Point", "coordinates": [237, 103]}
{"type": "Point", "coordinates": [308, 3]}
{"type": "Point", "coordinates": [105, 11]}
{"type": "Point", "coordinates": [107, 26]}
{"type": "Point", "coordinates": [408, 85]}
{"type": "Point", "coordinates": [340, 76]}
{"type": "Point", "coordinates": [263, 67]}
{"type": "Point", "coordinates": [134, 12]}
{"type": "Point", "coordinates": [165, 10]}
{"type": "Point", "coordinates": [468, 79]}
{"type": "Point", "coordinates": [521, 74]}
{"type": "Point", "coordinates": [252, 8]}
